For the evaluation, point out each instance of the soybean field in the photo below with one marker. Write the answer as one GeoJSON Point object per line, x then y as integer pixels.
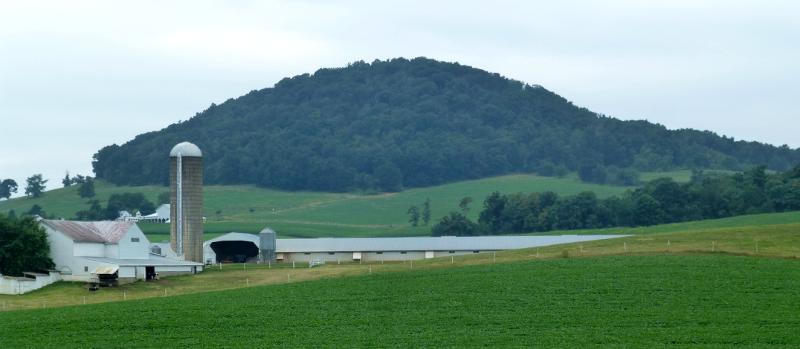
{"type": "Point", "coordinates": [628, 301]}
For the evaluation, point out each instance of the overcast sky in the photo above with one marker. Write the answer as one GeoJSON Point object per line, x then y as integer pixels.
{"type": "Point", "coordinates": [76, 76]}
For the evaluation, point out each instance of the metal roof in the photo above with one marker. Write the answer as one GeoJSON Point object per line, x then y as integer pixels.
{"type": "Point", "coordinates": [235, 237]}
{"type": "Point", "coordinates": [106, 231]}
{"type": "Point", "coordinates": [105, 270]}
{"type": "Point", "coordinates": [185, 149]}
{"type": "Point", "coordinates": [153, 261]}
{"type": "Point", "coordinates": [446, 243]}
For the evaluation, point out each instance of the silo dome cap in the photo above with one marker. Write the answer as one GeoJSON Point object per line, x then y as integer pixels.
{"type": "Point", "coordinates": [186, 149]}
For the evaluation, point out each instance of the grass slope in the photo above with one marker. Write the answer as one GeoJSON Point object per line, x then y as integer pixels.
{"type": "Point", "coordinates": [158, 232]}
{"type": "Point", "coordinates": [311, 214]}
{"type": "Point", "coordinates": [302, 212]}
{"type": "Point", "coordinates": [640, 301]}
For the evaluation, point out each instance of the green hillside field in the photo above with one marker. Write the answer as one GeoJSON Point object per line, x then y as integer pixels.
{"type": "Point", "coordinates": [295, 209]}
{"type": "Point", "coordinates": [313, 214]}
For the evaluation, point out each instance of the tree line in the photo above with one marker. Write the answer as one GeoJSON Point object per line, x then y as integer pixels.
{"type": "Point", "coordinates": [389, 125]}
{"type": "Point", "coordinates": [660, 201]}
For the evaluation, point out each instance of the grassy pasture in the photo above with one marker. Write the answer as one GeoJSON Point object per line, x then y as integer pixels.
{"type": "Point", "coordinates": [157, 232]}
{"type": "Point", "coordinates": [235, 201]}
{"type": "Point", "coordinates": [633, 301]}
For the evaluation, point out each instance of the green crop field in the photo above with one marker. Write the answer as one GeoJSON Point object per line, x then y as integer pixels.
{"type": "Point", "coordinates": [634, 301]}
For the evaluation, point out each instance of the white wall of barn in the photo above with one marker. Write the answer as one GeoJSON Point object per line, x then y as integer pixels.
{"type": "Point", "coordinates": [61, 248]}
{"type": "Point", "coordinates": [90, 249]}
{"type": "Point", "coordinates": [111, 251]}
{"type": "Point", "coordinates": [134, 244]}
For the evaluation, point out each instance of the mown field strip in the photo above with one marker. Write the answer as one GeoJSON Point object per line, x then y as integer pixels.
{"type": "Point", "coordinates": [628, 301]}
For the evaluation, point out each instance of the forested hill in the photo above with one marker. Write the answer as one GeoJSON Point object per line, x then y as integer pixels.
{"type": "Point", "coordinates": [416, 123]}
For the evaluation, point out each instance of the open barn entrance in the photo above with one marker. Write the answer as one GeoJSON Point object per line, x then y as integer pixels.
{"type": "Point", "coordinates": [235, 251]}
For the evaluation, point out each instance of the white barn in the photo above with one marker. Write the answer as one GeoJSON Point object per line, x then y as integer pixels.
{"type": "Point", "coordinates": [83, 251]}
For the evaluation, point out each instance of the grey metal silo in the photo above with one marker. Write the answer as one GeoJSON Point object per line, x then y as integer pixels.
{"type": "Point", "coordinates": [267, 245]}
{"type": "Point", "coordinates": [186, 197]}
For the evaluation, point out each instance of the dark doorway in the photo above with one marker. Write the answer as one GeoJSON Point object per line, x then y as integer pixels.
{"type": "Point", "coordinates": [150, 273]}
{"type": "Point", "coordinates": [235, 251]}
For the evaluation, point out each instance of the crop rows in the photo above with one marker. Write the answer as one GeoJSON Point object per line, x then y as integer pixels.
{"type": "Point", "coordinates": [636, 301]}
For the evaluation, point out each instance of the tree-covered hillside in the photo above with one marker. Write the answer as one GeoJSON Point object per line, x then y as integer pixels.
{"type": "Point", "coordinates": [415, 123]}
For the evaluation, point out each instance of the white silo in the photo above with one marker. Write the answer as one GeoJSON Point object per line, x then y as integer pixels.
{"type": "Point", "coordinates": [186, 201]}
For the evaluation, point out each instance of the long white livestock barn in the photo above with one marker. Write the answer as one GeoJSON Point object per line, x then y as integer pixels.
{"type": "Point", "coordinates": [241, 248]}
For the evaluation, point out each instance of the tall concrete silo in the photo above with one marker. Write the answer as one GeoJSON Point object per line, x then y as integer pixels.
{"type": "Point", "coordinates": [186, 201]}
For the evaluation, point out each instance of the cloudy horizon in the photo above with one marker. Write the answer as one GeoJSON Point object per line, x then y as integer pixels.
{"type": "Point", "coordinates": [78, 76]}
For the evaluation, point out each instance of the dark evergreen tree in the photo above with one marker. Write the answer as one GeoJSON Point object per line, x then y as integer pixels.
{"type": "Point", "coordinates": [413, 213]}
{"type": "Point", "coordinates": [426, 211]}
{"type": "Point", "coordinates": [66, 181]}
{"type": "Point", "coordinates": [464, 204]}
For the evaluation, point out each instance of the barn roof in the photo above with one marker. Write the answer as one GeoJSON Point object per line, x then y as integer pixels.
{"type": "Point", "coordinates": [152, 261]}
{"type": "Point", "coordinates": [235, 237]}
{"type": "Point", "coordinates": [106, 231]}
{"type": "Point", "coordinates": [445, 243]}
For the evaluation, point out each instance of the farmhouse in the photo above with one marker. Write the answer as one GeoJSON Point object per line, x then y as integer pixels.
{"type": "Point", "coordinates": [160, 216]}
{"type": "Point", "coordinates": [88, 251]}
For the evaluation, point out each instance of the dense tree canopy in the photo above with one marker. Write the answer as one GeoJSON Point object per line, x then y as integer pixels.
{"type": "Point", "coordinates": [404, 123]}
{"type": "Point", "coordinates": [7, 187]}
{"type": "Point", "coordinates": [659, 201]}
{"type": "Point", "coordinates": [36, 185]}
{"type": "Point", "coordinates": [23, 246]}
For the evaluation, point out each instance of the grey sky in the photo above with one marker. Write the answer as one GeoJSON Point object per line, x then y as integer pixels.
{"type": "Point", "coordinates": [77, 76]}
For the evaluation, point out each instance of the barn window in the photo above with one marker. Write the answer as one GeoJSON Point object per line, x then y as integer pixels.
{"type": "Point", "coordinates": [380, 252]}
{"type": "Point", "coordinates": [476, 251]}
{"type": "Point", "coordinates": [134, 239]}
{"type": "Point", "coordinates": [308, 253]}
{"type": "Point", "coordinates": [404, 252]}
{"type": "Point", "coordinates": [86, 269]}
{"type": "Point", "coordinates": [330, 252]}
{"type": "Point", "coordinates": [452, 252]}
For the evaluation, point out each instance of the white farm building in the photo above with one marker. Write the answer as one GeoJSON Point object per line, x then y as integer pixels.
{"type": "Point", "coordinates": [83, 251]}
